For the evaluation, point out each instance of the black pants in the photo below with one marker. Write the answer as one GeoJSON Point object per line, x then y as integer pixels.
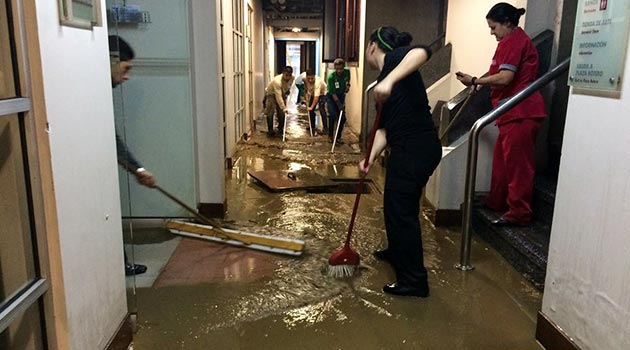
{"type": "Point", "coordinates": [333, 115]}
{"type": "Point", "coordinates": [322, 110]}
{"type": "Point", "coordinates": [408, 170]}
{"type": "Point", "coordinates": [311, 114]}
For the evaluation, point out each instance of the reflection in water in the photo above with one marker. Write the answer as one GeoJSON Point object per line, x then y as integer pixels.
{"type": "Point", "coordinates": [312, 314]}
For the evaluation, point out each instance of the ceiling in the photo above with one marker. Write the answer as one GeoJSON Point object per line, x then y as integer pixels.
{"type": "Point", "coordinates": [285, 15]}
{"type": "Point", "coordinates": [294, 7]}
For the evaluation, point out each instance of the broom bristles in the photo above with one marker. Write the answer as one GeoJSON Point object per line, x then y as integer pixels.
{"type": "Point", "coordinates": [339, 271]}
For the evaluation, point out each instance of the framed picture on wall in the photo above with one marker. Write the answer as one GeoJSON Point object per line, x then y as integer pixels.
{"type": "Point", "coordinates": [80, 13]}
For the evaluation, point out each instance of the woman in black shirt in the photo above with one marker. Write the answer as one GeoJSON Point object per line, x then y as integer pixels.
{"type": "Point", "coordinates": [415, 151]}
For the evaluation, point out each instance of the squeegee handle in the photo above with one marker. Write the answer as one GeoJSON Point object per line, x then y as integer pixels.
{"type": "Point", "coordinates": [215, 226]}
{"type": "Point", "coordinates": [377, 121]}
{"type": "Point", "coordinates": [202, 218]}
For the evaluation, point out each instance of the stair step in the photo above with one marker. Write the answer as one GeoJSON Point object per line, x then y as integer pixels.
{"type": "Point", "coordinates": [525, 248]}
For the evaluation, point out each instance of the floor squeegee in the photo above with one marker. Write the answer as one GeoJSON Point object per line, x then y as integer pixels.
{"type": "Point", "coordinates": [210, 230]}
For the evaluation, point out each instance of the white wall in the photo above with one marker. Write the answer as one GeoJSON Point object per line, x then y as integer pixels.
{"type": "Point", "coordinates": [78, 94]}
{"type": "Point", "coordinates": [588, 275]}
{"type": "Point", "coordinates": [208, 102]}
{"type": "Point", "coordinates": [259, 57]}
{"type": "Point", "coordinates": [354, 98]}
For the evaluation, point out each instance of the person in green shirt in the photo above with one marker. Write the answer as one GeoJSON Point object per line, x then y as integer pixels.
{"type": "Point", "coordinates": [338, 86]}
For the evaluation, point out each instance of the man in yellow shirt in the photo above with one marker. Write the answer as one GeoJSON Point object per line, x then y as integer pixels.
{"type": "Point", "coordinates": [276, 94]}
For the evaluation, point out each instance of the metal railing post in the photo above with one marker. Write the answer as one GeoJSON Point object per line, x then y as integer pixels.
{"type": "Point", "coordinates": [473, 148]}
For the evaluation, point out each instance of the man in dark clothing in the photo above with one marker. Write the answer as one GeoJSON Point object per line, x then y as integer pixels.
{"type": "Point", "coordinates": [121, 55]}
{"type": "Point", "coordinates": [338, 85]}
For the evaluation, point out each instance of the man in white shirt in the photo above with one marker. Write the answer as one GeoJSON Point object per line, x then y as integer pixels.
{"type": "Point", "coordinates": [276, 94]}
{"type": "Point", "coordinates": [312, 94]}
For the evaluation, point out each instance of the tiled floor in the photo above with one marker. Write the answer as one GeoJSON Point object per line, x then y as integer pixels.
{"type": "Point", "coordinates": [154, 256]}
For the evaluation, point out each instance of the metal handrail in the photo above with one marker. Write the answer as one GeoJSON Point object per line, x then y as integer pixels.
{"type": "Point", "coordinates": [473, 145]}
{"type": "Point", "coordinates": [366, 97]}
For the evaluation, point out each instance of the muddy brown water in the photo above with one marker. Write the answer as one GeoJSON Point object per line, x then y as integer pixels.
{"type": "Point", "coordinates": [280, 302]}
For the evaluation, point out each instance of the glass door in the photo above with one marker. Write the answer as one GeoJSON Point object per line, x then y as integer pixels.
{"type": "Point", "coordinates": [153, 110]}
{"type": "Point", "coordinates": [21, 285]}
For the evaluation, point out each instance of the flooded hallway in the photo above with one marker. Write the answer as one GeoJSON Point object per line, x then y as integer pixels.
{"type": "Point", "coordinates": [212, 296]}
{"type": "Point", "coordinates": [171, 176]}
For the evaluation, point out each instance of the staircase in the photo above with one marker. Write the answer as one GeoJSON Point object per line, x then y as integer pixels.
{"type": "Point", "coordinates": [525, 248]}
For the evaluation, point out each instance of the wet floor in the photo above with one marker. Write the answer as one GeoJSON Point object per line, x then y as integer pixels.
{"type": "Point", "coordinates": [210, 296]}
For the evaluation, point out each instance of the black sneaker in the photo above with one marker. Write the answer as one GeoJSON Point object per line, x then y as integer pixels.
{"type": "Point", "coordinates": [340, 142]}
{"type": "Point", "coordinates": [406, 291]}
{"type": "Point", "coordinates": [382, 254]}
{"type": "Point", "coordinates": [135, 269]}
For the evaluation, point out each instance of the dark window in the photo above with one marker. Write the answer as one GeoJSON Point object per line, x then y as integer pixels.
{"type": "Point", "coordinates": [341, 30]}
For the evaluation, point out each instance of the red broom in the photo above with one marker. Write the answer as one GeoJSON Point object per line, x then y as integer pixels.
{"type": "Point", "coordinates": [343, 262]}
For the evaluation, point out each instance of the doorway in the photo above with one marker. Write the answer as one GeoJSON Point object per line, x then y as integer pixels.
{"type": "Point", "coordinates": [300, 55]}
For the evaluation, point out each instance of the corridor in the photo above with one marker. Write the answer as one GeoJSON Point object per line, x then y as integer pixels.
{"type": "Point", "coordinates": [211, 296]}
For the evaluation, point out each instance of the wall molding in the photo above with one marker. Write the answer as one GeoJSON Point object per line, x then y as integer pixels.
{"type": "Point", "coordinates": [552, 337]}
{"type": "Point", "coordinates": [442, 217]}
{"type": "Point", "coordinates": [124, 336]}
{"type": "Point", "coordinates": [212, 210]}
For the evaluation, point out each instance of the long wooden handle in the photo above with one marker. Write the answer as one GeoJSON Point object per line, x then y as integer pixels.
{"type": "Point", "coordinates": [201, 218]}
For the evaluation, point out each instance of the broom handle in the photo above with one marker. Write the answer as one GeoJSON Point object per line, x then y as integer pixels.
{"type": "Point", "coordinates": [202, 218]}
{"type": "Point", "coordinates": [362, 179]}
{"type": "Point", "coordinates": [205, 220]}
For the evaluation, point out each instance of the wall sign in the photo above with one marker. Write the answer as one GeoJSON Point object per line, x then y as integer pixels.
{"type": "Point", "coordinates": [600, 43]}
{"type": "Point", "coordinates": [80, 13]}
